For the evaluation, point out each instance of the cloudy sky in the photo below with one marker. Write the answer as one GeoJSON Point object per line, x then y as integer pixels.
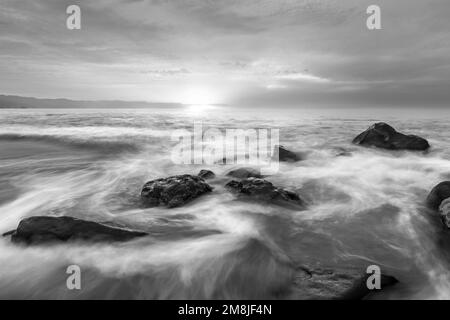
{"type": "Point", "coordinates": [237, 52]}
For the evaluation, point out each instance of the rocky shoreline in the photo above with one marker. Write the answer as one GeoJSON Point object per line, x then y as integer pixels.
{"type": "Point", "coordinates": [245, 184]}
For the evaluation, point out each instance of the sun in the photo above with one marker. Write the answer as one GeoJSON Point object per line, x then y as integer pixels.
{"type": "Point", "coordinates": [199, 96]}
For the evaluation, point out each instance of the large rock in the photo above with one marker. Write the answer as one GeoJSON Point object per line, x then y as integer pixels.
{"type": "Point", "coordinates": [283, 154]}
{"type": "Point", "coordinates": [206, 174]}
{"type": "Point", "coordinates": [173, 191]}
{"type": "Point", "coordinates": [382, 135]}
{"type": "Point", "coordinates": [264, 190]}
{"type": "Point", "coordinates": [243, 173]}
{"type": "Point", "coordinates": [438, 194]}
{"type": "Point", "coordinates": [260, 269]}
{"type": "Point", "coordinates": [321, 283]}
{"type": "Point", "coordinates": [39, 229]}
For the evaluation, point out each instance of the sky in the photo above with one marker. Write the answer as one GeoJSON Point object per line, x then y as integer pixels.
{"type": "Point", "coordinates": [271, 53]}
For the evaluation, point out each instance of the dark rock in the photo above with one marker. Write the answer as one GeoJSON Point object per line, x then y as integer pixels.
{"type": "Point", "coordinates": [382, 135]}
{"type": "Point", "coordinates": [243, 173]}
{"type": "Point", "coordinates": [438, 194]}
{"type": "Point", "coordinates": [206, 174]}
{"type": "Point", "coordinates": [261, 189]}
{"type": "Point", "coordinates": [334, 283]}
{"type": "Point", "coordinates": [444, 211]}
{"type": "Point", "coordinates": [173, 191]}
{"type": "Point", "coordinates": [6, 234]}
{"type": "Point", "coordinates": [36, 230]}
{"type": "Point", "coordinates": [282, 154]}
{"type": "Point", "coordinates": [269, 273]}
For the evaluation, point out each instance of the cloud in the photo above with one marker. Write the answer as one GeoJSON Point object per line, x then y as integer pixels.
{"type": "Point", "coordinates": [252, 51]}
{"type": "Point", "coordinates": [298, 76]}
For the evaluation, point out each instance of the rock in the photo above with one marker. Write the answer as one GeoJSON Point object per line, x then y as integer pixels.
{"type": "Point", "coordinates": [40, 229]}
{"type": "Point", "coordinates": [270, 273]}
{"type": "Point", "coordinates": [321, 283]}
{"type": "Point", "coordinates": [438, 194]}
{"type": "Point", "coordinates": [256, 269]}
{"type": "Point", "coordinates": [382, 135]}
{"type": "Point", "coordinates": [444, 211]}
{"type": "Point", "coordinates": [282, 154]}
{"type": "Point", "coordinates": [206, 174]}
{"type": "Point", "coordinates": [173, 191]}
{"type": "Point", "coordinates": [263, 190]}
{"type": "Point", "coordinates": [243, 173]}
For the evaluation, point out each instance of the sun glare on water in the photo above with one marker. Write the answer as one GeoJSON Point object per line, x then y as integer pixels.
{"type": "Point", "coordinates": [200, 108]}
{"type": "Point", "coordinates": [199, 99]}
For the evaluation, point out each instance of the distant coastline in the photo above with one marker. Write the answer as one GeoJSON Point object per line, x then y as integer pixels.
{"type": "Point", "coordinates": [19, 102]}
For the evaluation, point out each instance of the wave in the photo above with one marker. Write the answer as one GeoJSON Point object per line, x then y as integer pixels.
{"type": "Point", "coordinates": [101, 146]}
{"type": "Point", "coordinates": [363, 204]}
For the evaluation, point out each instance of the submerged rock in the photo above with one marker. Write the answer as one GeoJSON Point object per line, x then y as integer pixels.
{"type": "Point", "coordinates": [40, 229]}
{"type": "Point", "coordinates": [243, 173]}
{"type": "Point", "coordinates": [438, 194]}
{"type": "Point", "coordinates": [269, 273]}
{"type": "Point", "coordinates": [206, 174]}
{"type": "Point", "coordinates": [263, 190]}
{"type": "Point", "coordinates": [342, 152]}
{"type": "Point", "coordinates": [173, 191]}
{"type": "Point", "coordinates": [334, 284]}
{"type": "Point", "coordinates": [283, 154]}
{"type": "Point", "coordinates": [382, 135]}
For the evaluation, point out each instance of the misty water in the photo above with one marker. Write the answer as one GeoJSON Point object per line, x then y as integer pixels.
{"type": "Point", "coordinates": [364, 206]}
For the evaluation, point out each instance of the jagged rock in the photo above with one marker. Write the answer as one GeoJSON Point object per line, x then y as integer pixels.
{"type": "Point", "coordinates": [438, 194]}
{"type": "Point", "coordinates": [382, 135]}
{"type": "Point", "coordinates": [41, 229]}
{"type": "Point", "coordinates": [206, 174]}
{"type": "Point", "coordinates": [263, 190]}
{"type": "Point", "coordinates": [173, 191]}
{"type": "Point", "coordinates": [321, 283]}
{"type": "Point", "coordinates": [282, 154]}
{"type": "Point", "coordinates": [243, 173]}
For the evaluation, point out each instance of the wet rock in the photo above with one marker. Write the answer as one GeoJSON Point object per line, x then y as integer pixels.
{"type": "Point", "coordinates": [255, 270]}
{"type": "Point", "coordinates": [283, 154]}
{"type": "Point", "coordinates": [321, 283]}
{"type": "Point", "coordinates": [382, 135]}
{"type": "Point", "coordinates": [206, 174]}
{"type": "Point", "coordinates": [243, 173]}
{"type": "Point", "coordinates": [438, 194]}
{"type": "Point", "coordinates": [173, 191]}
{"type": "Point", "coordinates": [261, 189]}
{"type": "Point", "coordinates": [444, 211]}
{"type": "Point", "coordinates": [40, 229]}
{"type": "Point", "coordinates": [269, 273]}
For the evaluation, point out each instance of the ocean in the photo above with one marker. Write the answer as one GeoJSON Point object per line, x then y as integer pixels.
{"type": "Point", "coordinates": [364, 207]}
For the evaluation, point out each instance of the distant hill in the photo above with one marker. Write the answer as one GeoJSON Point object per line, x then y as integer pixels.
{"type": "Point", "coordinates": [7, 101]}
